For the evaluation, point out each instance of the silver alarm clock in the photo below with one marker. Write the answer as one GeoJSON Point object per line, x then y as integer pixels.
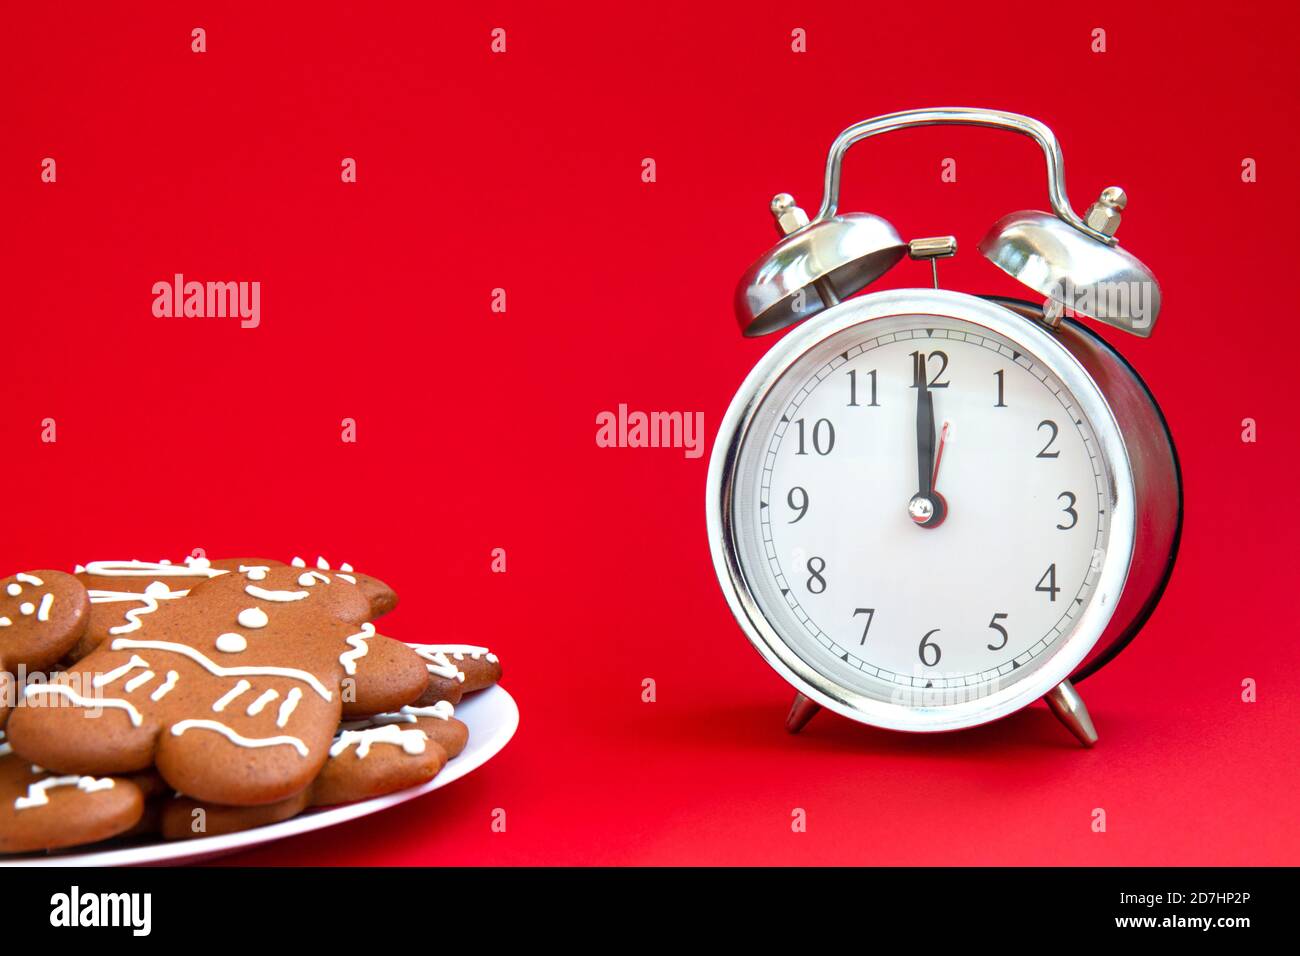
{"type": "Point", "coordinates": [929, 509]}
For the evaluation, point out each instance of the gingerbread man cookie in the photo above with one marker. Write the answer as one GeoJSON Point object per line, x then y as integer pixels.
{"type": "Point", "coordinates": [384, 680]}
{"type": "Point", "coordinates": [42, 616]}
{"type": "Point", "coordinates": [122, 591]}
{"type": "Point", "coordinates": [234, 693]}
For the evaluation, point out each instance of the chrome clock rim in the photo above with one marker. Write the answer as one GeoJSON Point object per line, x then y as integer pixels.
{"type": "Point", "coordinates": [723, 542]}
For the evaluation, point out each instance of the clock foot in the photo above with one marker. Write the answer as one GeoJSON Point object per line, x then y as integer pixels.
{"type": "Point", "coordinates": [1069, 709]}
{"type": "Point", "coordinates": [801, 711]}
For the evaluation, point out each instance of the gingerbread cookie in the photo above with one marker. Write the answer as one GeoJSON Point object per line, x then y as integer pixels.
{"type": "Point", "coordinates": [438, 722]}
{"type": "Point", "coordinates": [184, 818]}
{"type": "Point", "coordinates": [42, 616]}
{"type": "Point", "coordinates": [40, 810]}
{"type": "Point", "coordinates": [468, 665]}
{"type": "Point", "coordinates": [122, 591]}
{"type": "Point", "coordinates": [384, 680]}
{"type": "Point", "coordinates": [234, 693]}
{"type": "Point", "coordinates": [368, 758]}
{"type": "Point", "coordinates": [390, 676]}
{"type": "Point", "coordinates": [444, 679]}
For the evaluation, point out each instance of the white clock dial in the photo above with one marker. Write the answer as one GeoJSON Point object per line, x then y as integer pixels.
{"type": "Point", "coordinates": [841, 557]}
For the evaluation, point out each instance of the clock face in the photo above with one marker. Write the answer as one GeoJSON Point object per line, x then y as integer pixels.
{"type": "Point", "coordinates": [922, 510]}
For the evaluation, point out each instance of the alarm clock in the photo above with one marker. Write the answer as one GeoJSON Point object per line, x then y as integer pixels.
{"type": "Point", "coordinates": [928, 509]}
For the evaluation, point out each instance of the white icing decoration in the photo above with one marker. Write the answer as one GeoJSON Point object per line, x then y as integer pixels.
{"type": "Point", "coordinates": [139, 680]}
{"type": "Point", "coordinates": [38, 797]}
{"type": "Point", "coordinates": [79, 569]}
{"type": "Point", "coordinates": [43, 612]}
{"type": "Point", "coordinates": [5, 749]}
{"type": "Point", "coordinates": [282, 596]}
{"type": "Point", "coordinates": [359, 648]}
{"type": "Point", "coordinates": [322, 564]}
{"type": "Point", "coordinates": [28, 608]}
{"type": "Point", "coordinates": [231, 643]}
{"type": "Point", "coordinates": [94, 703]}
{"type": "Point", "coordinates": [256, 706]}
{"type": "Point", "coordinates": [347, 577]}
{"type": "Point", "coordinates": [31, 579]}
{"type": "Point", "coordinates": [237, 691]}
{"type": "Point", "coordinates": [124, 643]}
{"type": "Point", "coordinates": [13, 590]}
{"type": "Point", "coordinates": [411, 741]}
{"type": "Point", "coordinates": [438, 662]}
{"type": "Point", "coordinates": [461, 651]}
{"type": "Point", "coordinates": [288, 707]}
{"type": "Point", "coordinates": [239, 739]}
{"type": "Point", "coordinates": [442, 710]}
{"type": "Point", "coordinates": [252, 617]}
{"type": "Point", "coordinates": [166, 686]}
{"type": "Point", "coordinates": [309, 578]}
{"type": "Point", "coordinates": [298, 563]}
{"type": "Point", "coordinates": [155, 592]}
{"type": "Point", "coordinates": [147, 569]}
{"type": "Point", "coordinates": [103, 680]}
{"type": "Point", "coordinates": [255, 572]}
{"type": "Point", "coordinates": [5, 622]}
{"type": "Point", "coordinates": [345, 567]}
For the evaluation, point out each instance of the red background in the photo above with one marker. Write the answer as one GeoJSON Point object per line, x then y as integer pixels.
{"type": "Point", "coordinates": [476, 430]}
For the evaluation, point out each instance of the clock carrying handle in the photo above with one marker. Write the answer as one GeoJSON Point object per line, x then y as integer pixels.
{"type": "Point", "coordinates": [960, 116]}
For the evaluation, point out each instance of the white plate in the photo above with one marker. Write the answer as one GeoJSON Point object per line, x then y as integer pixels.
{"type": "Point", "coordinates": [491, 715]}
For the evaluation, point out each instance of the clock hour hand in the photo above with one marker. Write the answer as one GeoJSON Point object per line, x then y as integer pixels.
{"type": "Point", "coordinates": [924, 438]}
{"type": "Point", "coordinates": [926, 508]}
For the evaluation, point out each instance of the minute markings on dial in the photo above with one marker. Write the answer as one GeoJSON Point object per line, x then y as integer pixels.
{"type": "Point", "coordinates": [793, 596]}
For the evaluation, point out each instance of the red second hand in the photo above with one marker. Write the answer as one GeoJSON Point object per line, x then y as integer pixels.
{"type": "Point", "coordinates": [938, 455]}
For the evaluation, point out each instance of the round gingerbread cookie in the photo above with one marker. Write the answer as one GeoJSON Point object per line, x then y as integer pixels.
{"type": "Point", "coordinates": [40, 810]}
{"type": "Point", "coordinates": [183, 818]}
{"type": "Point", "coordinates": [438, 721]}
{"type": "Point", "coordinates": [42, 616]}
{"type": "Point", "coordinates": [375, 759]}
